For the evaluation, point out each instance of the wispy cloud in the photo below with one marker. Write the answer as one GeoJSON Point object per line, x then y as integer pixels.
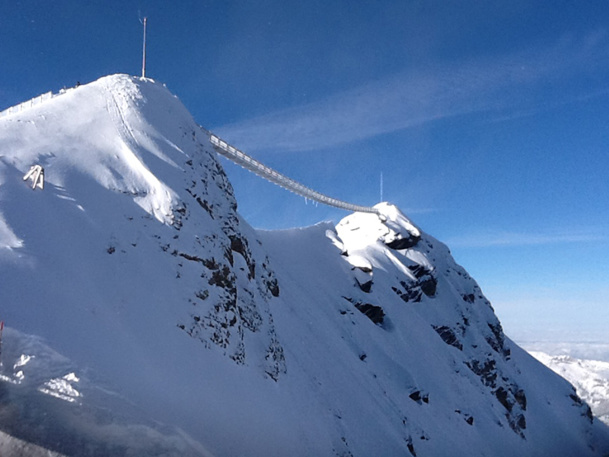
{"type": "Point", "coordinates": [508, 239]}
{"type": "Point", "coordinates": [415, 97]}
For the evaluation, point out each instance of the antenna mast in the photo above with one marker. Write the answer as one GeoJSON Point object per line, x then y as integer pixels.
{"type": "Point", "coordinates": [144, 52]}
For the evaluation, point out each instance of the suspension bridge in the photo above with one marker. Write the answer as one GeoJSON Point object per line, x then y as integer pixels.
{"type": "Point", "coordinates": [258, 168]}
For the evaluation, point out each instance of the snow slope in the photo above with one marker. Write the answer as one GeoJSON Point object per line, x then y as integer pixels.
{"type": "Point", "coordinates": [145, 317]}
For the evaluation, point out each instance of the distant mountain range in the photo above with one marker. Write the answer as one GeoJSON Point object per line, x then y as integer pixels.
{"type": "Point", "coordinates": [589, 377]}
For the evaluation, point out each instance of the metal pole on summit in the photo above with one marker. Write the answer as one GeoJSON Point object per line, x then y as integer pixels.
{"type": "Point", "coordinates": [1, 329]}
{"type": "Point", "coordinates": [144, 52]}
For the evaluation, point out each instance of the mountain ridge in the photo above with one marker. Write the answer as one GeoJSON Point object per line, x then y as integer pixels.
{"type": "Point", "coordinates": [134, 269]}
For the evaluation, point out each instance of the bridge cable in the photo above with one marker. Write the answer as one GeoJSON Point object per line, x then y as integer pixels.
{"type": "Point", "coordinates": [258, 168]}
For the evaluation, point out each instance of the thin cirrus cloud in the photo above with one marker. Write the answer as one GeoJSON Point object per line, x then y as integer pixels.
{"type": "Point", "coordinates": [510, 239]}
{"type": "Point", "coordinates": [514, 82]}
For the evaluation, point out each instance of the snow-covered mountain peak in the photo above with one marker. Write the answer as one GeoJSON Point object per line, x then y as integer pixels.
{"type": "Point", "coordinates": [390, 227]}
{"type": "Point", "coordinates": [133, 253]}
{"type": "Point", "coordinates": [138, 303]}
{"type": "Point", "coordinates": [125, 133]}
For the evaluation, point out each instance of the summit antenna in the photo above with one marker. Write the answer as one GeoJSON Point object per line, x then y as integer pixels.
{"type": "Point", "coordinates": [144, 52]}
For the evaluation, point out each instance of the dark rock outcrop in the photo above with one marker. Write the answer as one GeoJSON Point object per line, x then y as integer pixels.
{"type": "Point", "coordinates": [448, 336]}
{"type": "Point", "coordinates": [372, 312]}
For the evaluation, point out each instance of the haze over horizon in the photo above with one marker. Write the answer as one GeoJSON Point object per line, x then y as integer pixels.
{"type": "Point", "coordinates": [486, 122]}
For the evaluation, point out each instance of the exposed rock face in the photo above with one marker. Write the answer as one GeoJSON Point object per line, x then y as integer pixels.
{"type": "Point", "coordinates": [403, 243]}
{"type": "Point", "coordinates": [372, 312]}
{"type": "Point", "coordinates": [448, 336]}
{"type": "Point", "coordinates": [237, 283]}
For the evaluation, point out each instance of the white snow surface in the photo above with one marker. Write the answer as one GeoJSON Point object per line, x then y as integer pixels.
{"type": "Point", "coordinates": [144, 316]}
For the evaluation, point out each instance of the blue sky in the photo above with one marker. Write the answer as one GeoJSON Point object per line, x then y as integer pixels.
{"type": "Point", "coordinates": [487, 120]}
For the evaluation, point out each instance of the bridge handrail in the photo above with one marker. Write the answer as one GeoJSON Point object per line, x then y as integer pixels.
{"type": "Point", "coordinates": [251, 164]}
{"type": "Point", "coordinates": [27, 104]}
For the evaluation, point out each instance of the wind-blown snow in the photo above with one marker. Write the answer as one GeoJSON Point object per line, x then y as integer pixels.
{"type": "Point", "coordinates": [145, 317]}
